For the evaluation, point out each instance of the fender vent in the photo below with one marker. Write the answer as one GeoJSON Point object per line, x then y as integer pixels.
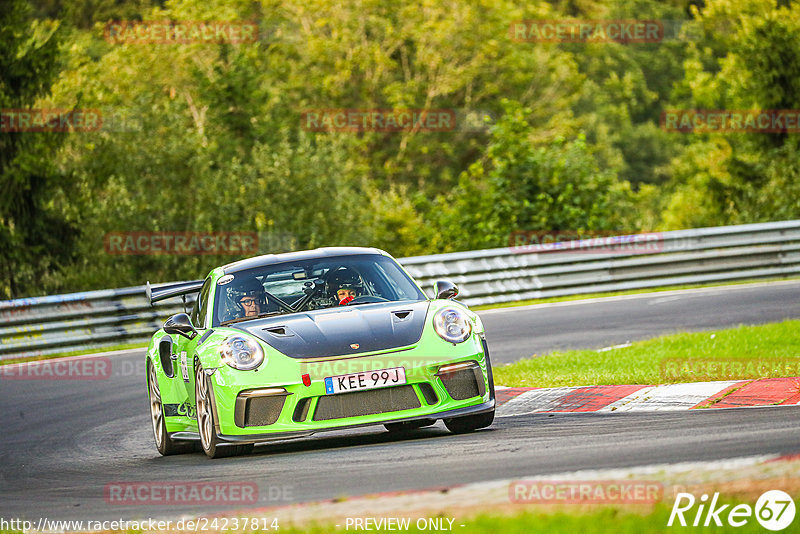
{"type": "Point", "coordinates": [279, 331]}
{"type": "Point", "coordinates": [401, 315]}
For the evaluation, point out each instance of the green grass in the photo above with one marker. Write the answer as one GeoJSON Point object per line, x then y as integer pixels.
{"type": "Point", "coordinates": [597, 519]}
{"type": "Point", "coordinates": [122, 346]}
{"type": "Point", "coordinates": [641, 363]}
{"type": "Point", "coordinates": [600, 520]}
{"type": "Point", "coordinates": [584, 296]}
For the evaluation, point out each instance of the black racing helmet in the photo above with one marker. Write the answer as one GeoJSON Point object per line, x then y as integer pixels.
{"type": "Point", "coordinates": [249, 287]}
{"type": "Point", "coordinates": [345, 278]}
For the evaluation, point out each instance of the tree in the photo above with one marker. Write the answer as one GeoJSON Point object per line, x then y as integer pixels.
{"type": "Point", "coordinates": [35, 236]}
{"type": "Point", "coordinates": [748, 58]}
{"type": "Point", "coordinates": [521, 186]}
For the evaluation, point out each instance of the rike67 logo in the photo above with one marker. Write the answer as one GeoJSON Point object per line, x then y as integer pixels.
{"type": "Point", "coordinates": [774, 510]}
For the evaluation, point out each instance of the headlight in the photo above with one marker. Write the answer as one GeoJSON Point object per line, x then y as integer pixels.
{"type": "Point", "coordinates": [452, 325]}
{"type": "Point", "coordinates": [241, 353]}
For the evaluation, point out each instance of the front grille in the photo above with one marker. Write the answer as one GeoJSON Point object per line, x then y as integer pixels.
{"type": "Point", "coordinates": [258, 411]}
{"type": "Point", "coordinates": [369, 402]}
{"type": "Point", "coordinates": [464, 384]}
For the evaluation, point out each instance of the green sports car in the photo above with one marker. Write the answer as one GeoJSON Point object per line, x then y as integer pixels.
{"type": "Point", "coordinates": [285, 345]}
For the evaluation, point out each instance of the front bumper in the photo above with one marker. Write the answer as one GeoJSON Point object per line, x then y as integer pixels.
{"type": "Point", "coordinates": [293, 409]}
{"type": "Point", "coordinates": [260, 438]}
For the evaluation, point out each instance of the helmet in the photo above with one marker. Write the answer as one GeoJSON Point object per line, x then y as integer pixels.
{"type": "Point", "coordinates": [345, 278]}
{"type": "Point", "coordinates": [249, 287]}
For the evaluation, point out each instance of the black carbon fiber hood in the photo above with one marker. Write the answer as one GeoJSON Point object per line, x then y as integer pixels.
{"type": "Point", "coordinates": [333, 332]}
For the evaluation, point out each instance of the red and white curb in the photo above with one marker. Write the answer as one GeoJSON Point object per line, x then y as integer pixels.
{"type": "Point", "coordinates": [637, 398]}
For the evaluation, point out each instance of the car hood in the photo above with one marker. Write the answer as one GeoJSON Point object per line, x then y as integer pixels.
{"type": "Point", "coordinates": [347, 330]}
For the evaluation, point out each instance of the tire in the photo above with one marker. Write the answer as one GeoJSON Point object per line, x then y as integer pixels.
{"type": "Point", "coordinates": [468, 423]}
{"type": "Point", "coordinates": [207, 421]}
{"type": "Point", "coordinates": [166, 446]}
{"type": "Point", "coordinates": [407, 426]}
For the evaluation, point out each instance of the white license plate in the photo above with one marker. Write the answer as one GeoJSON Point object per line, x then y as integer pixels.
{"type": "Point", "coordinates": [379, 378]}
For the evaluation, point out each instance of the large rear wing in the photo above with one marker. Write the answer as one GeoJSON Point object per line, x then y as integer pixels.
{"type": "Point", "coordinates": [176, 289]}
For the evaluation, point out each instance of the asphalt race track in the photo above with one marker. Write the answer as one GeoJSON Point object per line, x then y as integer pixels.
{"type": "Point", "coordinates": [64, 441]}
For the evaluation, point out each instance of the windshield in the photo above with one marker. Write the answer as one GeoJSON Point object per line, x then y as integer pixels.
{"type": "Point", "coordinates": [310, 285]}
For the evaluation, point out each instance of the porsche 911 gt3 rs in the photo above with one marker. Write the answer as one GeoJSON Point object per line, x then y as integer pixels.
{"type": "Point", "coordinates": [286, 345]}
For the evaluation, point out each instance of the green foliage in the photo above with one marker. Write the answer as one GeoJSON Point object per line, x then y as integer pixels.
{"type": "Point", "coordinates": [518, 185]}
{"type": "Point", "coordinates": [209, 137]}
{"type": "Point", "coordinates": [35, 236]}
{"type": "Point", "coordinates": [748, 58]}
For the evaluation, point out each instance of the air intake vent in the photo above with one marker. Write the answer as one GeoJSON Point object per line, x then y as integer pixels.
{"type": "Point", "coordinates": [279, 331]}
{"type": "Point", "coordinates": [401, 315]}
{"type": "Point", "coordinates": [165, 355]}
{"type": "Point", "coordinates": [254, 410]}
{"type": "Point", "coordinates": [429, 394]}
{"type": "Point", "coordinates": [301, 410]}
{"type": "Point", "coordinates": [463, 383]}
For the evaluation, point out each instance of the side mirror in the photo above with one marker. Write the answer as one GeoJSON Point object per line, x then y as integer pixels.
{"type": "Point", "coordinates": [444, 289]}
{"type": "Point", "coordinates": [180, 324]}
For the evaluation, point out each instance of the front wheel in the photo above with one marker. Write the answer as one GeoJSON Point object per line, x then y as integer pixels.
{"type": "Point", "coordinates": [206, 421]}
{"type": "Point", "coordinates": [166, 446]}
{"type": "Point", "coordinates": [468, 423]}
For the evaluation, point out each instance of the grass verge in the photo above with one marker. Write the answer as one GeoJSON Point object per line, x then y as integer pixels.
{"type": "Point", "coordinates": [736, 353]}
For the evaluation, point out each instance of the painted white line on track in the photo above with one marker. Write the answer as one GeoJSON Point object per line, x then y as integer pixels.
{"type": "Point", "coordinates": [612, 347]}
{"type": "Point", "coordinates": [678, 292]}
{"type": "Point", "coordinates": [113, 353]}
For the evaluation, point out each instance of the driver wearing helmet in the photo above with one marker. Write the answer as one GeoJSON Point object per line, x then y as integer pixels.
{"type": "Point", "coordinates": [346, 285]}
{"type": "Point", "coordinates": [246, 299]}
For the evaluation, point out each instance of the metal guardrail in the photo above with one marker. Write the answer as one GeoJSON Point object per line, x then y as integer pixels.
{"type": "Point", "coordinates": [79, 321]}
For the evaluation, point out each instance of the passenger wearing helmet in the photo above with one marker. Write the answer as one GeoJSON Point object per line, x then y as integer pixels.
{"type": "Point", "coordinates": [246, 299]}
{"type": "Point", "coordinates": [346, 285]}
